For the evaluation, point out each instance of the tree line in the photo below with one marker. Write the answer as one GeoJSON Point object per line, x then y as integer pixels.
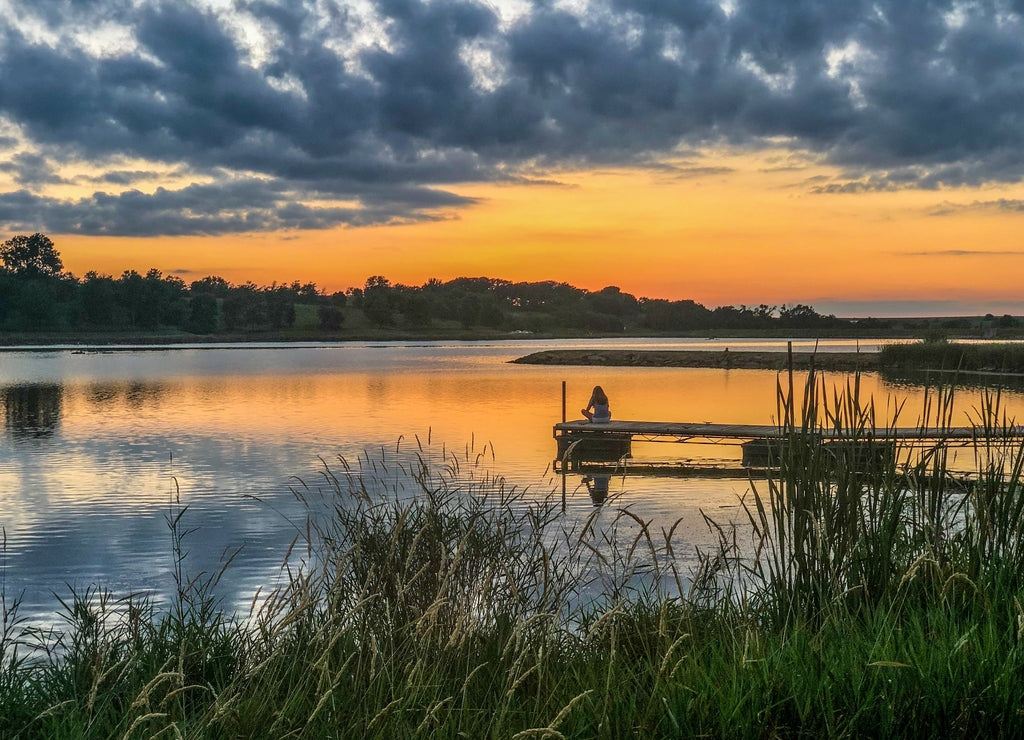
{"type": "Point", "coordinates": [37, 295]}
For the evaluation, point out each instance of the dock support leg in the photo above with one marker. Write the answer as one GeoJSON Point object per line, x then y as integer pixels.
{"type": "Point", "coordinates": [563, 401]}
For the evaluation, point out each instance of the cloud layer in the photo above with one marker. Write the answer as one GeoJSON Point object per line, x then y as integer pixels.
{"type": "Point", "coordinates": [218, 117]}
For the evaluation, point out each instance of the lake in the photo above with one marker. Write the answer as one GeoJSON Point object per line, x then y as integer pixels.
{"type": "Point", "coordinates": [97, 444]}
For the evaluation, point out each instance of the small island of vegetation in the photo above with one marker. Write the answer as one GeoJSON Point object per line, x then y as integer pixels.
{"type": "Point", "coordinates": [996, 358]}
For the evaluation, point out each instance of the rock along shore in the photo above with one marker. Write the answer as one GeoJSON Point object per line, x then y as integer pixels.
{"type": "Point", "coordinates": [738, 360]}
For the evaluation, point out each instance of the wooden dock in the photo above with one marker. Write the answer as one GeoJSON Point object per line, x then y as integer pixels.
{"type": "Point", "coordinates": [583, 441]}
{"type": "Point", "coordinates": [674, 431]}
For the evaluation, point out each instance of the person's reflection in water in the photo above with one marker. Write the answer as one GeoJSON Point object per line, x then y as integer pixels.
{"type": "Point", "coordinates": [32, 411]}
{"type": "Point", "coordinates": [597, 486]}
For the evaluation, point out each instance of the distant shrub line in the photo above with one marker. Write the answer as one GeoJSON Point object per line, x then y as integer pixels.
{"type": "Point", "coordinates": [37, 295]}
{"type": "Point", "coordinates": [954, 356]}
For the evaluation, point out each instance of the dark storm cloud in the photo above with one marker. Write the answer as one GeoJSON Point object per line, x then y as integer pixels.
{"type": "Point", "coordinates": [216, 209]}
{"type": "Point", "coordinates": [382, 111]}
{"type": "Point", "coordinates": [31, 169]}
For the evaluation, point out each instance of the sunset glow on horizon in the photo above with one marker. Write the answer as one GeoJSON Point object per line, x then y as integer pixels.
{"type": "Point", "coordinates": [866, 163]}
{"type": "Point", "coordinates": [744, 235]}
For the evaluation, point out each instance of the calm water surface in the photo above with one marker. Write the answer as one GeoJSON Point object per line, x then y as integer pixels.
{"type": "Point", "coordinates": [97, 443]}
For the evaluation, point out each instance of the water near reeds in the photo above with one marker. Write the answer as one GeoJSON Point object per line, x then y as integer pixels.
{"type": "Point", "coordinates": [97, 444]}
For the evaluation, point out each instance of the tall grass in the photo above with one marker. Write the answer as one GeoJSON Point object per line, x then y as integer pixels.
{"type": "Point", "coordinates": [864, 595]}
{"type": "Point", "coordinates": [1003, 357]}
{"type": "Point", "coordinates": [835, 535]}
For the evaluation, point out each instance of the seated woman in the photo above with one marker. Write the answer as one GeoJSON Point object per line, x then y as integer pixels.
{"type": "Point", "coordinates": [598, 410]}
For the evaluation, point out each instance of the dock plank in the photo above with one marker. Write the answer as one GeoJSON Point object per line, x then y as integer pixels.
{"type": "Point", "coordinates": [710, 431]}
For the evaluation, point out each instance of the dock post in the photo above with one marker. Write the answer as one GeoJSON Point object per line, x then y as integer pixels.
{"type": "Point", "coordinates": [563, 461]}
{"type": "Point", "coordinates": [790, 405]}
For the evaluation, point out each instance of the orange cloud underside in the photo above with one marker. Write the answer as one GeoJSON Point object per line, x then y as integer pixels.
{"type": "Point", "coordinates": [746, 234]}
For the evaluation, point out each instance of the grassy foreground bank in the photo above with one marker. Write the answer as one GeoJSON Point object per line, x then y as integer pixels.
{"type": "Point", "coordinates": [433, 601]}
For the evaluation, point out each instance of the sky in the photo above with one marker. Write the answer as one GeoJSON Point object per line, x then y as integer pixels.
{"type": "Point", "coordinates": [866, 158]}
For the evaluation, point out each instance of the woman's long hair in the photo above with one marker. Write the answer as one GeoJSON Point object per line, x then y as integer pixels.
{"type": "Point", "coordinates": [598, 396]}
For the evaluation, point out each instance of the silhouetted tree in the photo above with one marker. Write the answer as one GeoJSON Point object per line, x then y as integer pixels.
{"type": "Point", "coordinates": [666, 315]}
{"type": "Point", "coordinates": [31, 256]}
{"type": "Point", "coordinates": [331, 317]}
{"type": "Point", "coordinates": [7, 290]}
{"type": "Point", "coordinates": [33, 307]}
{"type": "Point", "coordinates": [98, 297]}
{"type": "Point", "coordinates": [416, 308]}
{"type": "Point", "coordinates": [203, 313]}
{"type": "Point", "coordinates": [601, 322]}
{"type": "Point", "coordinates": [164, 300]}
{"type": "Point", "coordinates": [490, 313]}
{"type": "Point", "coordinates": [802, 317]}
{"type": "Point", "coordinates": [130, 296]}
{"type": "Point", "coordinates": [377, 301]}
{"type": "Point", "coordinates": [280, 301]}
{"type": "Point", "coordinates": [152, 300]}
{"type": "Point", "coordinates": [544, 296]}
{"type": "Point", "coordinates": [469, 309]}
{"type": "Point", "coordinates": [245, 308]}
{"type": "Point", "coordinates": [212, 285]}
{"type": "Point", "coordinates": [765, 311]}
{"type": "Point", "coordinates": [731, 317]}
{"type": "Point", "coordinates": [306, 292]}
{"type": "Point", "coordinates": [612, 301]}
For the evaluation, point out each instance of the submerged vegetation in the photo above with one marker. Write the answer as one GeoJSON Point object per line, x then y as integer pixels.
{"type": "Point", "coordinates": [953, 357]}
{"type": "Point", "coordinates": [956, 361]}
{"type": "Point", "coordinates": [426, 599]}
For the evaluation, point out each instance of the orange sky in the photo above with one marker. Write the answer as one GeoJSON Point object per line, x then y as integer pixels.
{"type": "Point", "coordinates": [729, 229]}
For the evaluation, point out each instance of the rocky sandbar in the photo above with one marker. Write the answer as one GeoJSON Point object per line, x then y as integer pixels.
{"type": "Point", "coordinates": [738, 360]}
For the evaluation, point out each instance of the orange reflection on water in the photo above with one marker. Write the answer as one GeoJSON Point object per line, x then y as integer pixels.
{"type": "Point", "coordinates": [92, 460]}
{"type": "Point", "coordinates": [115, 439]}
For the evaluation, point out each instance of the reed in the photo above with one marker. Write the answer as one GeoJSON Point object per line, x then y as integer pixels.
{"type": "Point", "coordinates": [869, 592]}
{"type": "Point", "coordinates": [849, 524]}
{"type": "Point", "coordinates": [1005, 357]}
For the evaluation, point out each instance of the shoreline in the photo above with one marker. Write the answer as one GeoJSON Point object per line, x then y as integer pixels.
{"type": "Point", "coordinates": [15, 340]}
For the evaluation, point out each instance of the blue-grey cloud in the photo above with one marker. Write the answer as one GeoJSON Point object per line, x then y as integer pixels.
{"type": "Point", "coordinates": [121, 177]}
{"type": "Point", "coordinates": [218, 208]}
{"type": "Point", "coordinates": [31, 169]}
{"type": "Point", "coordinates": [381, 109]}
{"type": "Point", "coordinates": [966, 253]}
